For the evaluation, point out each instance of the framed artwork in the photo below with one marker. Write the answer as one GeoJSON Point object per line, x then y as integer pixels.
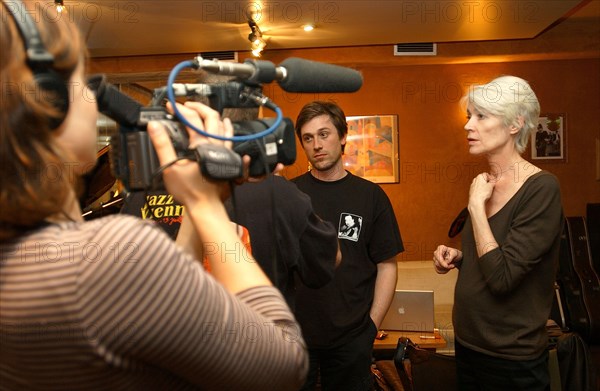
{"type": "Point", "coordinates": [549, 141]}
{"type": "Point", "coordinates": [372, 147]}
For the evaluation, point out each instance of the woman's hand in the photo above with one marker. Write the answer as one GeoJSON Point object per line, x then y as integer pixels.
{"type": "Point", "coordinates": [183, 179]}
{"type": "Point", "coordinates": [446, 258]}
{"type": "Point", "coordinates": [481, 190]}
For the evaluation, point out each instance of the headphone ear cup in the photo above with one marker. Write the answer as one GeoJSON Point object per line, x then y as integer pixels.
{"type": "Point", "coordinates": [54, 90]}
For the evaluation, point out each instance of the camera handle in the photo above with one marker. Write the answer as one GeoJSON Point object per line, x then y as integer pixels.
{"type": "Point", "coordinates": [262, 100]}
{"type": "Point", "coordinates": [218, 162]}
{"type": "Point", "coordinates": [233, 94]}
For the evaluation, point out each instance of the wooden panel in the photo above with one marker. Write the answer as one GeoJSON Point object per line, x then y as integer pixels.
{"type": "Point", "coordinates": [435, 167]}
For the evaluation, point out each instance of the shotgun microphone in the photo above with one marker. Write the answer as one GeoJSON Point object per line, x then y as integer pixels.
{"type": "Point", "coordinates": [293, 74]}
{"type": "Point", "coordinates": [310, 76]}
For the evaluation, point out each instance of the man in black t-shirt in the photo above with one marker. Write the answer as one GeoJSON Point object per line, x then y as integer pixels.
{"type": "Point", "coordinates": [340, 321]}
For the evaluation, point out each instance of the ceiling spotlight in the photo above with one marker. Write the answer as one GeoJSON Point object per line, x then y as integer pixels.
{"type": "Point", "coordinates": [257, 43]}
{"type": "Point", "coordinates": [60, 7]}
{"type": "Point", "coordinates": [256, 52]}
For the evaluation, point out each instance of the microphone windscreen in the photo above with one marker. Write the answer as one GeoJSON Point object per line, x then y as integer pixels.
{"type": "Point", "coordinates": [310, 76]}
{"type": "Point", "coordinates": [113, 103]}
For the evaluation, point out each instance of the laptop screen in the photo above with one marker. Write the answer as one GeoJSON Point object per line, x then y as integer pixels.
{"type": "Point", "coordinates": [411, 310]}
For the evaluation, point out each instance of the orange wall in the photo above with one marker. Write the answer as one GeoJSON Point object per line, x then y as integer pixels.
{"type": "Point", "coordinates": [435, 168]}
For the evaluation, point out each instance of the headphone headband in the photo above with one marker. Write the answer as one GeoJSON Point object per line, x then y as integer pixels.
{"type": "Point", "coordinates": [34, 46]}
{"type": "Point", "coordinates": [40, 60]}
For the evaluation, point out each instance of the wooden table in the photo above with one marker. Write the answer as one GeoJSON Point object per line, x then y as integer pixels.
{"type": "Point", "coordinates": [385, 348]}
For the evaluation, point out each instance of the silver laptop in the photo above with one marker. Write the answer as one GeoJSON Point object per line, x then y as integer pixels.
{"type": "Point", "coordinates": [410, 311]}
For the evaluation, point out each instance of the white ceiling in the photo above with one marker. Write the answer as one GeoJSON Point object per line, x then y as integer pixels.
{"type": "Point", "coordinates": [142, 27]}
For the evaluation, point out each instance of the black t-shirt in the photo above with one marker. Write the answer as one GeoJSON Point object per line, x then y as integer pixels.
{"type": "Point", "coordinates": [296, 241]}
{"type": "Point", "coordinates": [368, 234]}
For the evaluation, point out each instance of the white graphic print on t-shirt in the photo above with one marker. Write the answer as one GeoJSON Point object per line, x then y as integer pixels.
{"type": "Point", "coordinates": [349, 227]}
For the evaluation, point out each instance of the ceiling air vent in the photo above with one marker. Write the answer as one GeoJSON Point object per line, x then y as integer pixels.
{"type": "Point", "coordinates": [415, 49]}
{"type": "Point", "coordinates": [221, 56]}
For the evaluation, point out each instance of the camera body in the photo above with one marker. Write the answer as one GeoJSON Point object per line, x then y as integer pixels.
{"type": "Point", "coordinates": [133, 158]}
{"type": "Point", "coordinates": [266, 152]}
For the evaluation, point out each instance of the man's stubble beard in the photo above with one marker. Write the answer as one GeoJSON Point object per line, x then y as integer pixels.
{"type": "Point", "coordinates": [329, 166]}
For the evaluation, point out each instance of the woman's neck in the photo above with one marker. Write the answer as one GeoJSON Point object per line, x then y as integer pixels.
{"type": "Point", "coordinates": [500, 164]}
{"type": "Point", "coordinates": [71, 211]}
{"type": "Point", "coordinates": [514, 169]}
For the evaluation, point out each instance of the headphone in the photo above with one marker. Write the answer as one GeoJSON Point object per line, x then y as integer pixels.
{"type": "Point", "coordinates": [53, 87]}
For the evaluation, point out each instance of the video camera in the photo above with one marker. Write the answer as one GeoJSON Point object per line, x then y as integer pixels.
{"type": "Point", "coordinates": [267, 141]}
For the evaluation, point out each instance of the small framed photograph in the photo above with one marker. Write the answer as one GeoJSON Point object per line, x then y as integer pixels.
{"type": "Point", "coordinates": [371, 150]}
{"type": "Point", "coordinates": [549, 141]}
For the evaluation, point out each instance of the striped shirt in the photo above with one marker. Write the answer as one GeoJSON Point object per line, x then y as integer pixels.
{"type": "Point", "coordinates": [114, 304]}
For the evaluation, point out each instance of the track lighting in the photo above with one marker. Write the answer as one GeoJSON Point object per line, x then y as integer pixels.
{"type": "Point", "coordinates": [257, 43]}
{"type": "Point", "coordinates": [60, 6]}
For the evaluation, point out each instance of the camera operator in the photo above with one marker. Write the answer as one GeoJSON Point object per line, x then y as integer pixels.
{"type": "Point", "coordinates": [113, 303]}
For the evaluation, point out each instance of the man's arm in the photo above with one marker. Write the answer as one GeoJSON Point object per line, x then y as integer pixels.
{"type": "Point", "coordinates": [385, 285]}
